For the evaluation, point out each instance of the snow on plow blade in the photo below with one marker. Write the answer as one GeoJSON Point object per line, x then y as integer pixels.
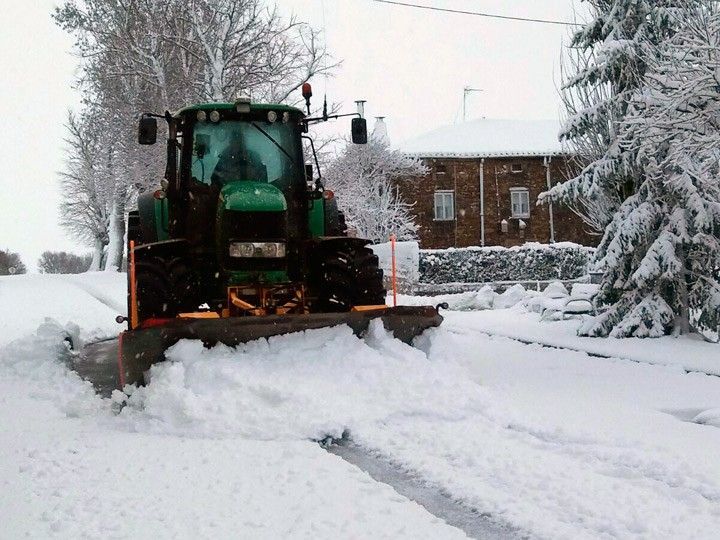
{"type": "Point", "coordinates": [143, 347]}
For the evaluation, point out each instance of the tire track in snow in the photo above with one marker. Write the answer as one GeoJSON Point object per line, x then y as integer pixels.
{"type": "Point", "coordinates": [433, 498]}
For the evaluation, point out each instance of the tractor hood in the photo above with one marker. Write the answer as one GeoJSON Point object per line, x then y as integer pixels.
{"type": "Point", "coordinates": [247, 196]}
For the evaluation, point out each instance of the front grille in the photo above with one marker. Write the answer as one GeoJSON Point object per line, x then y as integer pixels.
{"type": "Point", "coordinates": [253, 227]}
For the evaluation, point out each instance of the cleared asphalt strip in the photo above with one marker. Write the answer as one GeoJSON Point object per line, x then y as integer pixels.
{"type": "Point", "coordinates": [432, 498]}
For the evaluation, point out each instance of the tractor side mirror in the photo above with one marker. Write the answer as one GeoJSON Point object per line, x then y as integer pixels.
{"type": "Point", "coordinates": [147, 130]}
{"type": "Point", "coordinates": [359, 131]}
{"type": "Point", "coordinates": [308, 172]}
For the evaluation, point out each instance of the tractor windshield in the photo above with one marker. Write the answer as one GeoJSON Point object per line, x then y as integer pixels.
{"type": "Point", "coordinates": [233, 150]}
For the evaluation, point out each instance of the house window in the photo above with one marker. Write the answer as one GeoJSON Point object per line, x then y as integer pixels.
{"type": "Point", "coordinates": [516, 167]}
{"type": "Point", "coordinates": [440, 168]}
{"type": "Point", "coordinates": [520, 202]}
{"type": "Point", "coordinates": [444, 205]}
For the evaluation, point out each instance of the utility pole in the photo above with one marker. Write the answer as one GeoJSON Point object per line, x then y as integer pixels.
{"type": "Point", "coordinates": [466, 91]}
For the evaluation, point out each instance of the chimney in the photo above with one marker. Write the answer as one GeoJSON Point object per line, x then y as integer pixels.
{"type": "Point", "coordinates": [379, 132]}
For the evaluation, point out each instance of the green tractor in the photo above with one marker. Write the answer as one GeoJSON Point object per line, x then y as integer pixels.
{"type": "Point", "coordinates": [242, 241]}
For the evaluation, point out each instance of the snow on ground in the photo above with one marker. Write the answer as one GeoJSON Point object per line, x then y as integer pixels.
{"type": "Point", "coordinates": [586, 447]}
{"type": "Point", "coordinates": [688, 352]}
{"type": "Point", "coordinates": [72, 468]}
{"type": "Point", "coordinates": [557, 443]}
{"type": "Point", "coordinates": [518, 314]}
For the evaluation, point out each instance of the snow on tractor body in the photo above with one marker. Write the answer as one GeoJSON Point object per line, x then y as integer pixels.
{"type": "Point", "coordinates": [242, 242]}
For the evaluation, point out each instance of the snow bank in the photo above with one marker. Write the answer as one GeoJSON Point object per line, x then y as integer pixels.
{"type": "Point", "coordinates": [710, 417]}
{"type": "Point", "coordinates": [71, 469]}
{"type": "Point", "coordinates": [467, 301]}
{"type": "Point", "coordinates": [91, 301]}
{"type": "Point", "coordinates": [36, 362]}
{"type": "Point", "coordinates": [485, 298]}
{"type": "Point", "coordinates": [529, 262]}
{"type": "Point", "coordinates": [407, 263]}
{"type": "Point", "coordinates": [511, 297]}
{"type": "Point", "coordinates": [553, 297]}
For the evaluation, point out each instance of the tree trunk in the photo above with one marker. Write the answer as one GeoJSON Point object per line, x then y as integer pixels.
{"type": "Point", "coordinates": [116, 233]}
{"type": "Point", "coordinates": [97, 258]}
{"type": "Point", "coordinates": [682, 320]}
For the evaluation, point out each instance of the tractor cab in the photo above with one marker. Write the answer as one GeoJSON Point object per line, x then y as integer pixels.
{"type": "Point", "coordinates": [229, 158]}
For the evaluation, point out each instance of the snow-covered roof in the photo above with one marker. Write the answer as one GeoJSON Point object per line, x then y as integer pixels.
{"type": "Point", "coordinates": [488, 137]}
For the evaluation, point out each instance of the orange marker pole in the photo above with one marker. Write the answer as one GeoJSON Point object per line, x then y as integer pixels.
{"type": "Point", "coordinates": [133, 288]}
{"type": "Point", "coordinates": [394, 269]}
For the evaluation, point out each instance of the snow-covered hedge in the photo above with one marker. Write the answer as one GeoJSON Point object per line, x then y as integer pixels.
{"type": "Point", "coordinates": [554, 297]}
{"type": "Point", "coordinates": [530, 262]}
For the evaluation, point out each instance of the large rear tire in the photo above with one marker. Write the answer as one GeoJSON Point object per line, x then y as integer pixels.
{"type": "Point", "coordinates": [345, 276]}
{"type": "Point", "coordinates": [184, 284]}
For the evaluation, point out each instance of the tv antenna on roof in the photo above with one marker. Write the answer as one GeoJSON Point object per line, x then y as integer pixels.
{"type": "Point", "coordinates": [466, 91]}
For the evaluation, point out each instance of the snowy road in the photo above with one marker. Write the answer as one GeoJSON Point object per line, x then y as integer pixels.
{"type": "Point", "coordinates": [556, 443]}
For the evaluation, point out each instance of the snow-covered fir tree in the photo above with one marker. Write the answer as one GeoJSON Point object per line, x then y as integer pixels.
{"type": "Point", "coordinates": [661, 252]}
{"type": "Point", "coordinates": [629, 45]}
{"type": "Point", "coordinates": [364, 177]}
{"type": "Point", "coordinates": [605, 66]}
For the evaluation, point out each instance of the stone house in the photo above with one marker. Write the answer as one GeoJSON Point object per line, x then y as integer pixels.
{"type": "Point", "coordinates": [484, 180]}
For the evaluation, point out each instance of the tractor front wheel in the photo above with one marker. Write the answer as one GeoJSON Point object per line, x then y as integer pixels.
{"type": "Point", "coordinates": [153, 289]}
{"type": "Point", "coordinates": [165, 287]}
{"type": "Point", "coordinates": [346, 276]}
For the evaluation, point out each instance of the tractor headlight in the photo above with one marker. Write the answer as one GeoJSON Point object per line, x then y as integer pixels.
{"type": "Point", "coordinates": [242, 249]}
{"type": "Point", "coordinates": [270, 250]}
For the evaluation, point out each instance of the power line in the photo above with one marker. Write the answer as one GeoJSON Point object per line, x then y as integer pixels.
{"type": "Point", "coordinates": [476, 13]}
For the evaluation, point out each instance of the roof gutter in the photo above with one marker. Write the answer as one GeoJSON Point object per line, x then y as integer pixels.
{"type": "Point", "coordinates": [481, 155]}
{"type": "Point", "coordinates": [482, 202]}
{"type": "Point", "coordinates": [546, 164]}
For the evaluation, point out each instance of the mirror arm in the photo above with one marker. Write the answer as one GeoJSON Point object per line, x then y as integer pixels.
{"type": "Point", "coordinates": [153, 115]}
{"type": "Point", "coordinates": [317, 119]}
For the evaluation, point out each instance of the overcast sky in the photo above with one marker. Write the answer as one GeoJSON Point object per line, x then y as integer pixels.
{"type": "Point", "coordinates": [409, 64]}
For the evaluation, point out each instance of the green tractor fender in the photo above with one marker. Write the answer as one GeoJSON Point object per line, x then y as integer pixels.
{"type": "Point", "coordinates": [153, 218]}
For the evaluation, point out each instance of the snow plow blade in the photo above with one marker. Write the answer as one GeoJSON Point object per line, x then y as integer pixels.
{"type": "Point", "coordinates": [143, 347]}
